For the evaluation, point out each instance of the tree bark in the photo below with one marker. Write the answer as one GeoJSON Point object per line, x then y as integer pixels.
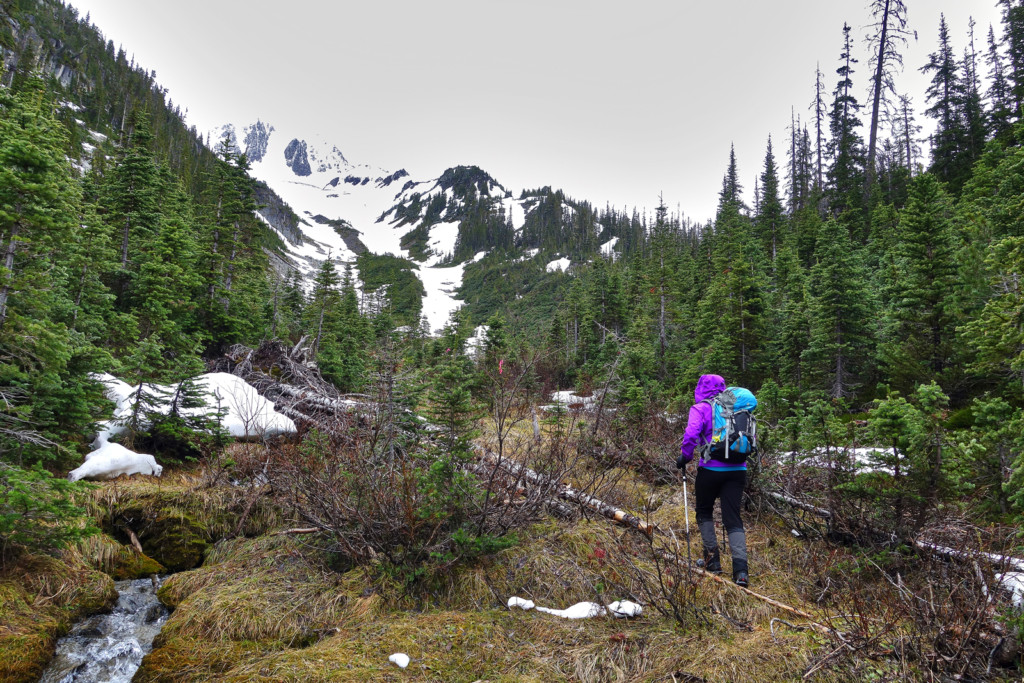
{"type": "Point", "coordinates": [12, 247]}
{"type": "Point", "coordinates": [876, 101]}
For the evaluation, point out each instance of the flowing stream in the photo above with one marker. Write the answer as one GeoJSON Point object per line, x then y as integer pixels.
{"type": "Point", "coordinates": [108, 648]}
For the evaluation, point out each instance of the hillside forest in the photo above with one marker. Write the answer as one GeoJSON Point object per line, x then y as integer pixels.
{"type": "Point", "coordinates": [871, 294]}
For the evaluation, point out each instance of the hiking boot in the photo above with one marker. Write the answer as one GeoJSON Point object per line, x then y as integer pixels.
{"type": "Point", "coordinates": [711, 562]}
{"type": "Point", "coordinates": [739, 572]}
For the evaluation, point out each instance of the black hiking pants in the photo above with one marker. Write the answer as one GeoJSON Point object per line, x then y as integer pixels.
{"type": "Point", "coordinates": [728, 487]}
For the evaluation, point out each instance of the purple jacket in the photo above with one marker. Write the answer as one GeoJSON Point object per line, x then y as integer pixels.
{"type": "Point", "coordinates": [700, 423]}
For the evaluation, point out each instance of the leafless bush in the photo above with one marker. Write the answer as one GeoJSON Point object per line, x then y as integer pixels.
{"type": "Point", "coordinates": [381, 485]}
{"type": "Point", "coordinates": [933, 617]}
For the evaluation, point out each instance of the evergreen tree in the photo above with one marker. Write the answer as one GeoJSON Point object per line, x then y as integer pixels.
{"type": "Point", "coordinates": [845, 148]}
{"type": "Point", "coordinates": [770, 219]}
{"type": "Point", "coordinates": [343, 357]}
{"type": "Point", "coordinates": [47, 399]}
{"type": "Point", "coordinates": [996, 336]}
{"type": "Point", "coordinates": [1000, 101]}
{"type": "Point", "coordinates": [925, 310]}
{"type": "Point", "coordinates": [131, 199]}
{"type": "Point", "coordinates": [1013, 38]}
{"type": "Point", "coordinates": [840, 312]}
{"type": "Point", "coordinates": [942, 96]}
{"type": "Point", "coordinates": [324, 302]}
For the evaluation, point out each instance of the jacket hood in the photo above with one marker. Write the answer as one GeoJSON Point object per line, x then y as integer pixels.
{"type": "Point", "coordinates": [708, 386]}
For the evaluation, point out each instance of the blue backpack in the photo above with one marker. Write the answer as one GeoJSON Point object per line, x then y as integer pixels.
{"type": "Point", "coordinates": [734, 430]}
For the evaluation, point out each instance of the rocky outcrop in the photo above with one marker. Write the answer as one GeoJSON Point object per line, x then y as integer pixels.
{"type": "Point", "coordinates": [348, 234]}
{"type": "Point", "coordinates": [297, 158]}
{"type": "Point", "coordinates": [257, 137]}
{"type": "Point", "coordinates": [278, 214]}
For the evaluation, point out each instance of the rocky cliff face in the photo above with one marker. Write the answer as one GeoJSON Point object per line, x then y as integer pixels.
{"type": "Point", "coordinates": [278, 214]}
{"type": "Point", "coordinates": [15, 40]}
{"type": "Point", "coordinates": [257, 137]}
{"type": "Point", "coordinates": [297, 158]}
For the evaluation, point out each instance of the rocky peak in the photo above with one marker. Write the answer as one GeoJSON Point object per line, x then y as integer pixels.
{"type": "Point", "coordinates": [257, 137]}
{"type": "Point", "coordinates": [297, 158]}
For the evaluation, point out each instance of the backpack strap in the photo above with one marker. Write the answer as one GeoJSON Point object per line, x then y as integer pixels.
{"type": "Point", "coordinates": [706, 447]}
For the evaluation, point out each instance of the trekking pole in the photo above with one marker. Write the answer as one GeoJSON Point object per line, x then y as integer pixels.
{"type": "Point", "coordinates": [686, 512]}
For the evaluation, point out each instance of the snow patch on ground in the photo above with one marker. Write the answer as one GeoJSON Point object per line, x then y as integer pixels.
{"type": "Point", "coordinates": [441, 284]}
{"type": "Point", "coordinates": [861, 458]}
{"type": "Point", "coordinates": [608, 248]}
{"type": "Point", "coordinates": [399, 659]}
{"type": "Point", "coordinates": [558, 264]}
{"type": "Point", "coordinates": [1014, 583]}
{"type": "Point", "coordinates": [111, 460]}
{"type": "Point", "coordinates": [570, 398]}
{"type": "Point", "coordinates": [442, 239]}
{"type": "Point", "coordinates": [247, 415]}
{"type": "Point", "coordinates": [620, 609]}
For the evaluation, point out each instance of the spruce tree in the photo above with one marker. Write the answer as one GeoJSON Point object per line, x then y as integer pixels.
{"type": "Point", "coordinates": [131, 200]}
{"type": "Point", "coordinates": [845, 147]}
{"type": "Point", "coordinates": [770, 220]}
{"type": "Point", "coordinates": [841, 311]}
{"type": "Point", "coordinates": [924, 311]}
{"type": "Point", "coordinates": [996, 336]}
{"type": "Point", "coordinates": [47, 399]}
{"type": "Point", "coordinates": [942, 96]}
{"type": "Point", "coordinates": [1000, 102]}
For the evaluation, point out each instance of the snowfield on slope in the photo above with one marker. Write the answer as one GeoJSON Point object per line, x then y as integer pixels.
{"type": "Point", "coordinates": [333, 187]}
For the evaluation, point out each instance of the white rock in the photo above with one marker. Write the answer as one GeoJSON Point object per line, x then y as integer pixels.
{"type": "Point", "coordinates": [399, 659]}
{"type": "Point", "coordinates": [112, 460]}
{"type": "Point", "coordinates": [520, 602]}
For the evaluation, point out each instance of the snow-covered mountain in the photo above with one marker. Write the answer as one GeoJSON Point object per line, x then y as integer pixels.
{"type": "Point", "coordinates": [344, 208]}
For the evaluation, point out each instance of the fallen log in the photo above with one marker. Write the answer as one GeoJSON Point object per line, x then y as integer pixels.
{"type": "Point", "coordinates": [566, 492]}
{"type": "Point", "coordinates": [1002, 561]}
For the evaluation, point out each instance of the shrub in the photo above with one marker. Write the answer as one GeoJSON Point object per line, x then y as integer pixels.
{"type": "Point", "coordinates": [39, 511]}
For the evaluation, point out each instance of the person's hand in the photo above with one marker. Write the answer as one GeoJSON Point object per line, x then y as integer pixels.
{"type": "Point", "coordinates": [682, 462]}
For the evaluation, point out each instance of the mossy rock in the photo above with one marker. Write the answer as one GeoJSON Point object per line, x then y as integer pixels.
{"type": "Point", "coordinates": [169, 536]}
{"type": "Point", "coordinates": [103, 553]}
{"type": "Point", "coordinates": [40, 598]}
{"type": "Point", "coordinates": [178, 542]}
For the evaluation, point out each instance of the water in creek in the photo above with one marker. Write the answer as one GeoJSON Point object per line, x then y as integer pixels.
{"type": "Point", "coordinates": [108, 648]}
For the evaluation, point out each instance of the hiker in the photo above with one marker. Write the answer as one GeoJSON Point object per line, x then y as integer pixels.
{"type": "Point", "coordinates": [715, 479]}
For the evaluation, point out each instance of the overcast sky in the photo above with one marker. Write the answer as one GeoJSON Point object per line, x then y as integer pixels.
{"type": "Point", "coordinates": [611, 101]}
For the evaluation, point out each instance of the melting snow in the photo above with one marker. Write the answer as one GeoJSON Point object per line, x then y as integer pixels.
{"type": "Point", "coordinates": [608, 248]}
{"type": "Point", "coordinates": [442, 239]}
{"type": "Point", "coordinates": [1013, 582]}
{"type": "Point", "coordinates": [441, 285]}
{"type": "Point", "coordinates": [560, 264]}
{"type": "Point", "coordinates": [860, 457]}
{"type": "Point", "coordinates": [247, 415]}
{"type": "Point", "coordinates": [583, 610]}
{"type": "Point", "coordinates": [399, 659]}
